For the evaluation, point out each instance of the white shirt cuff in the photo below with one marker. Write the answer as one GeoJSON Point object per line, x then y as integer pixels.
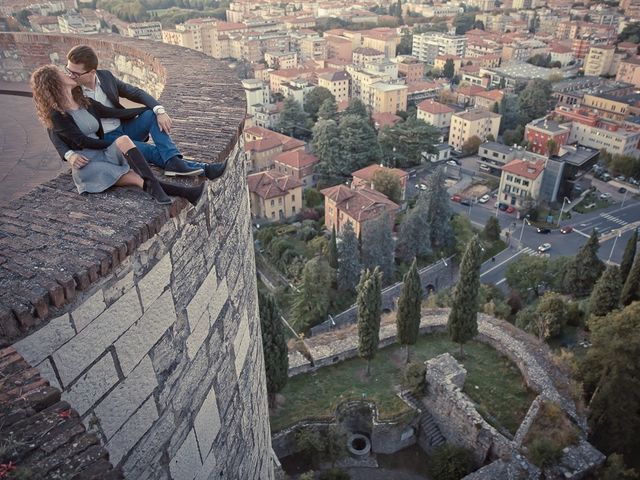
{"type": "Point", "coordinates": [68, 154]}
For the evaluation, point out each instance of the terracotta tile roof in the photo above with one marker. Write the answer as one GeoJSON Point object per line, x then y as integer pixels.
{"type": "Point", "coordinates": [367, 173]}
{"type": "Point", "coordinates": [470, 90]}
{"type": "Point", "coordinates": [288, 143]}
{"type": "Point", "coordinates": [224, 26]}
{"type": "Point", "coordinates": [361, 204]}
{"type": "Point", "coordinates": [297, 159]}
{"type": "Point", "coordinates": [419, 86]}
{"type": "Point", "coordinates": [525, 168]}
{"type": "Point", "coordinates": [334, 76]}
{"type": "Point", "coordinates": [433, 107]}
{"type": "Point", "coordinates": [384, 119]}
{"type": "Point", "coordinates": [495, 95]}
{"type": "Point", "coordinates": [271, 184]}
{"type": "Point", "coordinates": [367, 51]}
{"type": "Point", "coordinates": [262, 145]}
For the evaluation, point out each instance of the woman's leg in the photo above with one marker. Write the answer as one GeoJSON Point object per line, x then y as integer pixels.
{"type": "Point", "coordinates": [130, 179]}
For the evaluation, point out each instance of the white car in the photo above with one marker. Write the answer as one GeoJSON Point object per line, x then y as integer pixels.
{"type": "Point", "coordinates": [544, 247]}
{"type": "Point", "coordinates": [421, 186]}
{"type": "Point", "coordinates": [605, 196]}
{"type": "Point", "coordinates": [453, 163]}
{"type": "Point", "coordinates": [484, 199]}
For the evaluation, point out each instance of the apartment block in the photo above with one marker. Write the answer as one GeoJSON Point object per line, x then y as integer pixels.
{"type": "Point", "coordinates": [427, 46]}
{"type": "Point", "coordinates": [337, 83]}
{"type": "Point", "coordinates": [540, 134]}
{"type": "Point", "coordinates": [436, 113]}
{"type": "Point", "coordinates": [389, 98]}
{"type": "Point", "coordinates": [313, 48]}
{"type": "Point", "coordinates": [145, 31]}
{"type": "Point", "coordinates": [520, 181]}
{"type": "Point", "coordinates": [274, 196]}
{"type": "Point", "coordinates": [601, 60]}
{"type": "Point", "coordinates": [470, 123]}
{"type": "Point", "coordinates": [410, 68]}
{"type": "Point", "coordinates": [629, 71]}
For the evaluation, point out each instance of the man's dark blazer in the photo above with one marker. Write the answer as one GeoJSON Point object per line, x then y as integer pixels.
{"type": "Point", "coordinates": [113, 89]}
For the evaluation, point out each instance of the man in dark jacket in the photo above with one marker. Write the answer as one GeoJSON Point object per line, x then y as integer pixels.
{"type": "Point", "coordinates": [104, 87]}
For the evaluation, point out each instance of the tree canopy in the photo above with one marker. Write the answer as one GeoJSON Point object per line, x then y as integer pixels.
{"type": "Point", "coordinates": [349, 264]}
{"type": "Point", "coordinates": [293, 119]}
{"type": "Point", "coordinates": [403, 143]}
{"type": "Point", "coordinates": [311, 303]}
{"type": "Point", "coordinates": [274, 345]}
{"type": "Point", "coordinates": [408, 316]}
{"type": "Point", "coordinates": [314, 100]}
{"type": "Point", "coordinates": [378, 247]}
{"type": "Point", "coordinates": [585, 268]}
{"type": "Point", "coordinates": [534, 100]}
{"type": "Point", "coordinates": [387, 183]}
{"type": "Point", "coordinates": [369, 304]}
{"type": "Point", "coordinates": [605, 296]}
{"type": "Point", "coordinates": [414, 239]}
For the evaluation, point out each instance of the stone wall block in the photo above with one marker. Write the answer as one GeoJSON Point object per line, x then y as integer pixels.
{"type": "Point", "coordinates": [208, 318]}
{"type": "Point", "coordinates": [92, 385]}
{"type": "Point", "coordinates": [154, 283]}
{"type": "Point", "coordinates": [187, 463]}
{"type": "Point", "coordinates": [48, 373]}
{"type": "Point", "coordinates": [125, 399]}
{"type": "Point", "coordinates": [138, 340]}
{"type": "Point", "coordinates": [198, 305]}
{"type": "Point", "coordinates": [39, 345]}
{"type": "Point", "coordinates": [79, 353]}
{"type": "Point", "coordinates": [241, 343]}
{"type": "Point", "coordinates": [89, 310]}
{"type": "Point", "coordinates": [207, 423]}
{"type": "Point", "coordinates": [118, 287]}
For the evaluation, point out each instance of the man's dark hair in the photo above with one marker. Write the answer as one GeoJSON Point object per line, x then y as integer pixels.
{"type": "Point", "coordinates": [84, 55]}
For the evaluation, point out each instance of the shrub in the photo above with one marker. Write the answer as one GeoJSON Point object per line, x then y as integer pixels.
{"type": "Point", "coordinates": [335, 474]}
{"type": "Point", "coordinates": [318, 245]}
{"type": "Point", "coordinates": [550, 432]}
{"type": "Point", "coordinates": [265, 235]}
{"type": "Point", "coordinates": [615, 469]}
{"type": "Point", "coordinates": [312, 198]}
{"type": "Point", "coordinates": [574, 315]}
{"type": "Point", "coordinates": [306, 232]}
{"type": "Point", "coordinates": [544, 452]}
{"type": "Point", "coordinates": [310, 475]}
{"type": "Point", "coordinates": [449, 462]}
{"type": "Point", "coordinates": [414, 377]}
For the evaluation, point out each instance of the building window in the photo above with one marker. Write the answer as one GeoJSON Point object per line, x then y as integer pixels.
{"type": "Point", "coordinates": [293, 198]}
{"type": "Point", "coordinates": [273, 203]}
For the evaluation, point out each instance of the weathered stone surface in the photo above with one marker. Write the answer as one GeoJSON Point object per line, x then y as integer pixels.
{"type": "Point", "coordinates": [241, 343]}
{"type": "Point", "coordinates": [154, 282]}
{"type": "Point", "coordinates": [209, 467]}
{"type": "Point", "coordinates": [198, 305]}
{"type": "Point", "coordinates": [200, 331]}
{"type": "Point", "coordinates": [97, 381]}
{"type": "Point", "coordinates": [207, 423]}
{"type": "Point", "coordinates": [46, 371]}
{"type": "Point", "coordinates": [78, 353]}
{"type": "Point", "coordinates": [118, 287]}
{"type": "Point", "coordinates": [139, 423]}
{"type": "Point", "coordinates": [186, 464]}
{"type": "Point", "coordinates": [89, 310]}
{"type": "Point", "coordinates": [136, 342]}
{"type": "Point", "coordinates": [48, 339]}
{"type": "Point", "coordinates": [126, 398]}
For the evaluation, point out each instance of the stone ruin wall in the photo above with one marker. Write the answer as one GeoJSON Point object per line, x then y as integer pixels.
{"type": "Point", "coordinates": [157, 343]}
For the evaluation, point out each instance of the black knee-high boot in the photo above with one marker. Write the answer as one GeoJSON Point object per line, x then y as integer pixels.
{"type": "Point", "coordinates": [190, 193]}
{"type": "Point", "coordinates": [151, 184]}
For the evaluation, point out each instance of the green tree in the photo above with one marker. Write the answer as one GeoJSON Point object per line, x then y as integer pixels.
{"type": "Point", "coordinates": [631, 290]}
{"type": "Point", "coordinates": [471, 145]}
{"type": "Point", "coordinates": [291, 117]}
{"type": "Point", "coordinates": [311, 303]}
{"type": "Point", "coordinates": [349, 265]}
{"type": "Point", "coordinates": [585, 269]}
{"type": "Point", "coordinates": [615, 469]}
{"type": "Point", "coordinates": [605, 296]}
{"type": "Point", "coordinates": [326, 146]}
{"type": "Point", "coordinates": [495, 108]}
{"type": "Point", "coordinates": [513, 137]}
{"type": "Point", "coordinates": [462, 232]}
{"type": "Point", "coordinates": [439, 208]}
{"type": "Point", "coordinates": [534, 100]}
{"type": "Point", "coordinates": [408, 316]}
{"type": "Point", "coordinates": [449, 69]}
{"type": "Point", "coordinates": [333, 250]}
{"type": "Point", "coordinates": [610, 373]}
{"type": "Point", "coordinates": [402, 144]}
{"type": "Point", "coordinates": [492, 229]}
{"type": "Point", "coordinates": [463, 317]}
{"type": "Point", "coordinates": [358, 108]}
{"type": "Point", "coordinates": [551, 313]}
{"type": "Point", "coordinates": [630, 33]}
{"type": "Point", "coordinates": [629, 255]}
{"type": "Point", "coordinates": [358, 144]}
{"type": "Point", "coordinates": [527, 274]}
{"type": "Point", "coordinates": [378, 247]}
{"type": "Point", "coordinates": [274, 346]}
{"type": "Point", "coordinates": [369, 304]}
{"type": "Point", "coordinates": [464, 22]}
{"type": "Point", "coordinates": [387, 183]}
{"type": "Point", "coordinates": [414, 239]}
{"type": "Point", "coordinates": [315, 99]}
{"type": "Point", "coordinates": [328, 110]}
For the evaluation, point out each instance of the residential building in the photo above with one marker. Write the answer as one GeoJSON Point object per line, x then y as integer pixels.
{"type": "Point", "coordinates": [613, 107]}
{"type": "Point", "coordinates": [602, 60]}
{"type": "Point", "coordinates": [629, 71]}
{"type": "Point", "coordinates": [436, 113]}
{"type": "Point", "coordinates": [561, 53]}
{"type": "Point", "coordinates": [76, 23]}
{"type": "Point", "coordinates": [338, 83]}
{"type": "Point", "coordinates": [176, 37]}
{"type": "Point", "coordinates": [274, 196]}
{"type": "Point", "coordinates": [520, 182]}
{"type": "Point", "coordinates": [522, 50]}
{"type": "Point", "coordinates": [427, 46]}
{"type": "Point", "coordinates": [487, 100]}
{"type": "Point", "coordinates": [364, 55]}
{"type": "Point", "coordinates": [517, 73]}
{"type": "Point", "coordinates": [541, 132]}
{"type": "Point", "coordinates": [145, 31]}
{"type": "Point", "coordinates": [441, 60]}
{"type": "Point", "coordinates": [442, 153]}
{"type": "Point", "coordinates": [365, 177]}
{"type": "Point", "coordinates": [344, 205]}
{"type": "Point", "coordinates": [470, 123]}
{"type": "Point", "coordinates": [314, 48]}
{"type": "Point", "coordinates": [281, 60]}
{"type": "Point", "coordinates": [277, 78]}
{"type": "Point", "coordinates": [257, 94]}
{"type": "Point", "coordinates": [362, 81]}
{"type": "Point", "coordinates": [298, 89]}
{"type": "Point", "coordinates": [262, 146]}
{"type": "Point", "coordinates": [339, 48]}
{"type": "Point", "coordinates": [46, 24]}
{"type": "Point", "coordinates": [383, 40]}
{"type": "Point", "coordinates": [389, 98]}
{"type": "Point", "coordinates": [410, 68]}
{"type": "Point", "coordinates": [299, 164]}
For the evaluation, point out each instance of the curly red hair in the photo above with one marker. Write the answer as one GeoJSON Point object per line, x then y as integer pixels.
{"type": "Point", "coordinates": [48, 93]}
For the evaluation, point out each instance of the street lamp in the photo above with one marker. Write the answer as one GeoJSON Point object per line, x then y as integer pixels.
{"type": "Point", "coordinates": [562, 209]}
{"type": "Point", "coordinates": [524, 220]}
{"type": "Point", "coordinates": [618, 235]}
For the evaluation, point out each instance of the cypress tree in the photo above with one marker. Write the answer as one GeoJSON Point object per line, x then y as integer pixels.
{"type": "Point", "coordinates": [605, 296]}
{"type": "Point", "coordinates": [439, 209]}
{"type": "Point", "coordinates": [369, 304]}
{"type": "Point", "coordinates": [408, 317]}
{"type": "Point", "coordinates": [463, 317]}
{"type": "Point", "coordinates": [492, 229]}
{"type": "Point", "coordinates": [333, 250]}
{"type": "Point", "coordinates": [585, 268]}
{"type": "Point", "coordinates": [414, 239]}
{"type": "Point", "coordinates": [274, 346]}
{"type": "Point", "coordinates": [629, 255]}
{"type": "Point", "coordinates": [349, 265]}
{"type": "Point", "coordinates": [631, 289]}
{"type": "Point", "coordinates": [378, 247]}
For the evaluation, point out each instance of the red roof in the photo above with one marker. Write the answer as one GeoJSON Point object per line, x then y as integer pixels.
{"type": "Point", "coordinates": [433, 107]}
{"type": "Point", "coordinates": [297, 159]}
{"type": "Point", "coordinates": [495, 95]}
{"type": "Point", "coordinates": [262, 145]}
{"type": "Point", "coordinates": [288, 143]}
{"type": "Point", "coordinates": [271, 184]}
{"type": "Point", "coordinates": [525, 168]}
{"type": "Point", "coordinates": [385, 118]}
{"type": "Point", "coordinates": [361, 204]}
{"type": "Point", "coordinates": [367, 173]}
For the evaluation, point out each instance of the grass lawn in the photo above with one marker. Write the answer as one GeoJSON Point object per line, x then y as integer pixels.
{"type": "Point", "coordinates": [588, 200]}
{"type": "Point", "coordinates": [493, 382]}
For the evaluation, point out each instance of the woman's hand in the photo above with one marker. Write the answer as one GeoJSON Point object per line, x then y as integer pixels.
{"type": "Point", "coordinates": [78, 161]}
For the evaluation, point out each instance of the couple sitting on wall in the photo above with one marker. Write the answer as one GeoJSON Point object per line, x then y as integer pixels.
{"type": "Point", "coordinates": [104, 142]}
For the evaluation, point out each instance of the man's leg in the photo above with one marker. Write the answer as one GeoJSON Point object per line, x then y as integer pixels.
{"type": "Point", "coordinates": [150, 152]}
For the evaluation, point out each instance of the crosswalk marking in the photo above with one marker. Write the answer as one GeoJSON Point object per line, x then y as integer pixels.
{"type": "Point", "coordinates": [613, 219]}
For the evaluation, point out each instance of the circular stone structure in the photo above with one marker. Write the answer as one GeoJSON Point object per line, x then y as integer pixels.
{"type": "Point", "coordinates": [144, 316]}
{"type": "Point", "coordinates": [359, 445]}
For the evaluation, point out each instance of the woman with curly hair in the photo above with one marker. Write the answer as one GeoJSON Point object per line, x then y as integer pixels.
{"type": "Point", "coordinates": [64, 110]}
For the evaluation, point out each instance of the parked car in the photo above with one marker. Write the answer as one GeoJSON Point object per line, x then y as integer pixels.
{"type": "Point", "coordinates": [621, 178]}
{"type": "Point", "coordinates": [465, 201]}
{"type": "Point", "coordinates": [510, 209]}
{"type": "Point", "coordinates": [605, 196]}
{"type": "Point", "coordinates": [544, 247]}
{"type": "Point", "coordinates": [484, 199]}
{"type": "Point", "coordinates": [566, 229]}
{"type": "Point", "coordinates": [503, 206]}
{"type": "Point", "coordinates": [453, 163]}
{"type": "Point", "coordinates": [456, 198]}
{"type": "Point", "coordinates": [543, 230]}
{"type": "Point", "coordinates": [606, 177]}
{"type": "Point", "coordinates": [421, 186]}
{"type": "Point", "coordinates": [622, 190]}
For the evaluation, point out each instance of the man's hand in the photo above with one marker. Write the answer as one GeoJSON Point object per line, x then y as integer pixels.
{"type": "Point", "coordinates": [164, 122]}
{"type": "Point", "coordinates": [78, 161]}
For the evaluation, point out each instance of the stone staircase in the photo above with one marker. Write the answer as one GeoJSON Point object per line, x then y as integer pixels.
{"type": "Point", "coordinates": [429, 430]}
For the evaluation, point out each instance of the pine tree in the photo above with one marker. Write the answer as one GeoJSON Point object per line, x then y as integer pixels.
{"type": "Point", "coordinates": [378, 247]}
{"type": "Point", "coordinates": [349, 265]}
{"type": "Point", "coordinates": [551, 315]}
{"type": "Point", "coordinates": [326, 146]}
{"type": "Point", "coordinates": [629, 255]}
{"type": "Point", "coordinates": [439, 209]}
{"type": "Point", "coordinates": [328, 110]}
{"type": "Point", "coordinates": [463, 317]}
{"type": "Point", "coordinates": [311, 303]}
{"type": "Point", "coordinates": [315, 99]}
{"type": "Point", "coordinates": [333, 250]}
{"type": "Point", "coordinates": [291, 117]}
{"type": "Point", "coordinates": [449, 69]}
{"type": "Point", "coordinates": [492, 229]}
{"type": "Point", "coordinates": [605, 296]}
{"type": "Point", "coordinates": [585, 268]}
{"type": "Point", "coordinates": [408, 317]}
{"type": "Point", "coordinates": [631, 289]}
{"type": "Point", "coordinates": [414, 239]}
{"type": "Point", "coordinates": [369, 304]}
{"type": "Point", "coordinates": [276, 360]}
{"type": "Point", "coordinates": [358, 144]}
{"type": "Point", "coordinates": [358, 108]}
